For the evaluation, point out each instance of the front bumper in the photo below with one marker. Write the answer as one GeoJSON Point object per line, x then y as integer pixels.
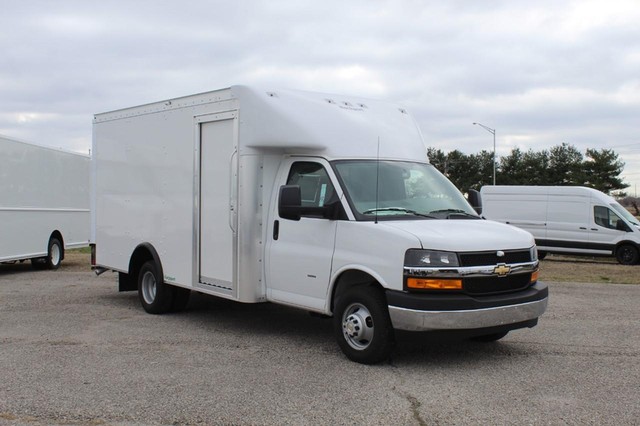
{"type": "Point", "coordinates": [428, 312]}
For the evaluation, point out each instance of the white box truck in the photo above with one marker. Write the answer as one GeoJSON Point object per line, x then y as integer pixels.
{"type": "Point", "coordinates": [322, 202]}
{"type": "Point", "coordinates": [567, 219]}
{"type": "Point", "coordinates": [44, 203]}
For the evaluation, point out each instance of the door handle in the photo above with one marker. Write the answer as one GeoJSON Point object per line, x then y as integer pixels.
{"type": "Point", "coordinates": [276, 229]}
{"type": "Point", "coordinates": [594, 229]}
{"type": "Point", "coordinates": [582, 227]}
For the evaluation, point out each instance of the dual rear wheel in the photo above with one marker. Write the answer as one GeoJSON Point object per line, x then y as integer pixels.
{"type": "Point", "coordinates": [157, 297]}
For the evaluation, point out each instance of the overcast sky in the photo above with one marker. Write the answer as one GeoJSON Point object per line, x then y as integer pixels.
{"type": "Point", "coordinates": [541, 73]}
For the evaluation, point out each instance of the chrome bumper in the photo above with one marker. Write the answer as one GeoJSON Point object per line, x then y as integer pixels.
{"type": "Point", "coordinates": [416, 320]}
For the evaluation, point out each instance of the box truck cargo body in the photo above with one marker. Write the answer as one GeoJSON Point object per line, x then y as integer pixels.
{"type": "Point", "coordinates": [44, 202]}
{"type": "Point", "coordinates": [322, 202]}
{"type": "Point", "coordinates": [567, 219]}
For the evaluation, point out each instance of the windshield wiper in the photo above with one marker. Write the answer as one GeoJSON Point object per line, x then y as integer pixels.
{"type": "Point", "coordinates": [454, 211]}
{"type": "Point", "coordinates": [397, 209]}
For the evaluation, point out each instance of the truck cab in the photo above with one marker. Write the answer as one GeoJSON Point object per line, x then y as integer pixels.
{"type": "Point", "coordinates": [383, 244]}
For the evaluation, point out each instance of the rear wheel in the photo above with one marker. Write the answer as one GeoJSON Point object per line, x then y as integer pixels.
{"type": "Point", "coordinates": [155, 296]}
{"type": "Point", "coordinates": [55, 253]}
{"type": "Point", "coordinates": [362, 325]}
{"type": "Point", "coordinates": [627, 254]}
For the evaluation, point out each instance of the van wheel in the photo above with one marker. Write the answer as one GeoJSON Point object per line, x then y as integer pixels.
{"type": "Point", "coordinates": [362, 325]}
{"type": "Point", "coordinates": [490, 337]}
{"type": "Point", "coordinates": [155, 296]}
{"type": "Point", "coordinates": [627, 254]}
{"type": "Point", "coordinates": [542, 255]}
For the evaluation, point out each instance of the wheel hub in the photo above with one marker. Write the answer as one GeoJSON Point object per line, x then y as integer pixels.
{"type": "Point", "coordinates": [357, 326]}
{"type": "Point", "coordinates": [352, 325]}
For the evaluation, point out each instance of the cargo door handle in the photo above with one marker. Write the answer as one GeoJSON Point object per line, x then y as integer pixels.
{"type": "Point", "coordinates": [276, 229]}
{"type": "Point", "coordinates": [582, 227]}
{"type": "Point", "coordinates": [594, 229]}
{"type": "Point", "coordinates": [233, 199]}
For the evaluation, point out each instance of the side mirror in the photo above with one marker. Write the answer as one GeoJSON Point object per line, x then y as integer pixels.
{"type": "Point", "coordinates": [290, 202]}
{"type": "Point", "coordinates": [475, 200]}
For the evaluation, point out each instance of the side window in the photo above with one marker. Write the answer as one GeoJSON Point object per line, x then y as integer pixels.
{"type": "Point", "coordinates": [603, 216]}
{"type": "Point", "coordinates": [314, 183]}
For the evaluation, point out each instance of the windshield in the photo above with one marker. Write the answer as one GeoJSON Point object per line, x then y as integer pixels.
{"type": "Point", "coordinates": [625, 213]}
{"type": "Point", "coordinates": [405, 189]}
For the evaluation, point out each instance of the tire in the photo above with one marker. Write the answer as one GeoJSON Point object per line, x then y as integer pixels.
{"type": "Point", "coordinates": [542, 255]}
{"type": "Point", "coordinates": [362, 325]}
{"type": "Point", "coordinates": [53, 259]}
{"type": "Point", "coordinates": [627, 254]}
{"type": "Point", "coordinates": [55, 254]}
{"type": "Point", "coordinates": [490, 337]}
{"type": "Point", "coordinates": [155, 296]}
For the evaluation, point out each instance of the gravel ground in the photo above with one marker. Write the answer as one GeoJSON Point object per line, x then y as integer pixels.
{"type": "Point", "coordinates": [75, 351]}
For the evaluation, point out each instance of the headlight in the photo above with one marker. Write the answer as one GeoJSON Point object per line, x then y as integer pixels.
{"type": "Point", "coordinates": [534, 253]}
{"type": "Point", "coordinates": [429, 258]}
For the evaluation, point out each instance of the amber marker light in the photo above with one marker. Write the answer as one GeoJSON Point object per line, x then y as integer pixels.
{"type": "Point", "coordinates": [433, 284]}
{"type": "Point", "coordinates": [534, 276]}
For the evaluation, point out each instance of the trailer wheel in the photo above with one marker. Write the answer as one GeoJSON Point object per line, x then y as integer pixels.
{"type": "Point", "coordinates": [362, 325]}
{"type": "Point", "coordinates": [155, 296]}
{"type": "Point", "coordinates": [627, 254]}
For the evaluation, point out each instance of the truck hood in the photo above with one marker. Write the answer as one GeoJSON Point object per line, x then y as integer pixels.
{"type": "Point", "coordinates": [462, 235]}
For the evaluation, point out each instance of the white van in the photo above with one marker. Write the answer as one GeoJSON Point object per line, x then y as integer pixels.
{"type": "Point", "coordinates": [322, 202]}
{"type": "Point", "coordinates": [44, 203]}
{"type": "Point", "coordinates": [567, 219]}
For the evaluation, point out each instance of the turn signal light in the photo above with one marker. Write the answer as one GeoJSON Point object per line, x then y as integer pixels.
{"type": "Point", "coordinates": [534, 276]}
{"type": "Point", "coordinates": [433, 284]}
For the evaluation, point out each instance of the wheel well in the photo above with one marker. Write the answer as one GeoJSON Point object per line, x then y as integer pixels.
{"type": "Point", "coordinates": [58, 235]}
{"type": "Point", "coordinates": [352, 278]}
{"type": "Point", "coordinates": [143, 253]}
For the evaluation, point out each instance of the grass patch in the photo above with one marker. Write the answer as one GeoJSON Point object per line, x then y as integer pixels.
{"type": "Point", "coordinates": [86, 250]}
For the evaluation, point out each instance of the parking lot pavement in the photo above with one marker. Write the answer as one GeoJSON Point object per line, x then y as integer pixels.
{"type": "Point", "coordinates": [75, 351]}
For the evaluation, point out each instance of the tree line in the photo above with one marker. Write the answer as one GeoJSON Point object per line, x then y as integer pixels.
{"type": "Point", "coordinates": [561, 165]}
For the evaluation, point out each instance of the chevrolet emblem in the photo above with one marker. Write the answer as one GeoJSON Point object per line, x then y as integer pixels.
{"type": "Point", "coordinates": [502, 270]}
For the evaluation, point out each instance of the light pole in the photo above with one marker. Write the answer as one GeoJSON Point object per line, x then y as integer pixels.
{"type": "Point", "coordinates": [493, 132]}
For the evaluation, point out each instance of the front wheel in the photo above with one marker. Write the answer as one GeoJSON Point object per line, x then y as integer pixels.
{"type": "Point", "coordinates": [627, 254]}
{"type": "Point", "coordinates": [362, 325]}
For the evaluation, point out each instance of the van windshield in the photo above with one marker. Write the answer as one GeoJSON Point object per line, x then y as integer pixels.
{"type": "Point", "coordinates": [404, 190]}
{"type": "Point", "coordinates": [625, 213]}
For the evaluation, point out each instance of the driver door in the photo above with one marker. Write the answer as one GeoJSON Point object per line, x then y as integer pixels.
{"type": "Point", "coordinates": [300, 252]}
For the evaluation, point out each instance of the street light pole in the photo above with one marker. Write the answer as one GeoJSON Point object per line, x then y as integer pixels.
{"type": "Point", "coordinates": [493, 132]}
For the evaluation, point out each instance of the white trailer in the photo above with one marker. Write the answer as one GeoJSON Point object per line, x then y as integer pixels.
{"type": "Point", "coordinates": [322, 202]}
{"type": "Point", "coordinates": [567, 219]}
{"type": "Point", "coordinates": [44, 203]}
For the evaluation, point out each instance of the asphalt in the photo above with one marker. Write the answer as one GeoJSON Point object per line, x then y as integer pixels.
{"type": "Point", "coordinates": [75, 351]}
